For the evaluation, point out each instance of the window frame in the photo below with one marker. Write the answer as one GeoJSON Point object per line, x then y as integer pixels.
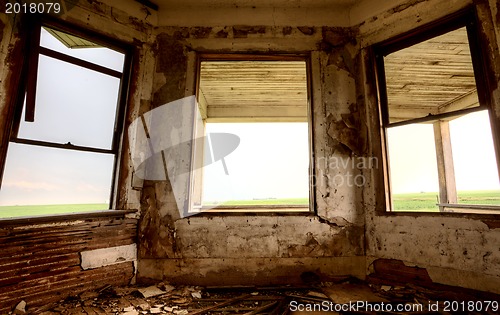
{"type": "Point", "coordinates": [463, 18]}
{"type": "Point", "coordinates": [196, 186]}
{"type": "Point", "coordinates": [26, 88]}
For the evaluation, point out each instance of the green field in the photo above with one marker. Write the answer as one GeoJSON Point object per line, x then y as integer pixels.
{"type": "Point", "coordinates": [427, 201]}
{"type": "Point", "coordinates": [40, 210]}
{"type": "Point", "coordinates": [402, 202]}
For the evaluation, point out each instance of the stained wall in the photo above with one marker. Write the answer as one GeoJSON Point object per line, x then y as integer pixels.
{"type": "Point", "coordinates": [263, 248]}
{"type": "Point", "coordinates": [452, 249]}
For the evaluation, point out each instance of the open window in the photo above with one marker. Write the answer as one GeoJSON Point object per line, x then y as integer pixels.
{"type": "Point", "coordinates": [435, 114]}
{"type": "Point", "coordinates": [65, 135]}
{"type": "Point", "coordinates": [263, 102]}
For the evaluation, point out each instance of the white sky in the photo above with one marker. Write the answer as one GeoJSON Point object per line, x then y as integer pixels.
{"type": "Point", "coordinates": [79, 110]}
{"type": "Point", "coordinates": [271, 161]}
{"type": "Point", "coordinates": [413, 157]}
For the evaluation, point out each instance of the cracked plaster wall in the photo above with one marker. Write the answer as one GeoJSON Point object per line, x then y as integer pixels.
{"type": "Point", "coordinates": [100, 233]}
{"type": "Point", "coordinates": [460, 250]}
{"type": "Point", "coordinates": [262, 249]}
{"type": "Point", "coordinates": [266, 248]}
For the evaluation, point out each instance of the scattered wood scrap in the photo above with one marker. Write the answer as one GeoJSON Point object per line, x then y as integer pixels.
{"type": "Point", "coordinates": [190, 300]}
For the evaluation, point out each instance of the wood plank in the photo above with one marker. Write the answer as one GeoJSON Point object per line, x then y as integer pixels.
{"type": "Point", "coordinates": [212, 307]}
{"type": "Point", "coordinates": [262, 308]}
{"type": "Point", "coordinates": [446, 169]}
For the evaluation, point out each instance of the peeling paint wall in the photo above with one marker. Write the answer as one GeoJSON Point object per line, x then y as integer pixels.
{"type": "Point", "coordinates": [264, 248]}
{"type": "Point", "coordinates": [461, 250]}
{"type": "Point", "coordinates": [42, 261]}
{"type": "Point", "coordinates": [348, 235]}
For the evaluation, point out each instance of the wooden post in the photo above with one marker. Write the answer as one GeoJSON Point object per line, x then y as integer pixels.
{"type": "Point", "coordinates": [446, 170]}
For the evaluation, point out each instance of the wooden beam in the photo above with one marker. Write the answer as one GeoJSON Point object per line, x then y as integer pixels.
{"type": "Point", "coordinates": [31, 82]}
{"type": "Point", "coordinates": [262, 308]}
{"type": "Point", "coordinates": [228, 302]}
{"type": "Point", "coordinates": [400, 113]}
{"type": "Point", "coordinates": [464, 101]}
{"type": "Point", "coordinates": [446, 170]}
{"type": "Point", "coordinates": [80, 62]}
{"type": "Point", "coordinates": [266, 111]}
{"type": "Point", "coordinates": [202, 104]}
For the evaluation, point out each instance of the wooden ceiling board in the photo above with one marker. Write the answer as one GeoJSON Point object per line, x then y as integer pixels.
{"type": "Point", "coordinates": [254, 88]}
{"type": "Point", "coordinates": [429, 74]}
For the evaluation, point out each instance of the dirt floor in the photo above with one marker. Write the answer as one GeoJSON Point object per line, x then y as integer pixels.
{"type": "Point", "coordinates": [350, 296]}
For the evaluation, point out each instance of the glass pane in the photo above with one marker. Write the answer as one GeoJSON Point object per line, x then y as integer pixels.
{"type": "Point", "coordinates": [73, 104]}
{"type": "Point", "coordinates": [41, 180]}
{"type": "Point", "coordinates": [432, 77]}
{"type": "Point", "coordinates": [474, 159]}
{"type": "Point", "coordinates": [413, 168]}
{"type": "Point", "coordinates": [82, 49]}
{"type": "Point", "coordinates": [269, 167]}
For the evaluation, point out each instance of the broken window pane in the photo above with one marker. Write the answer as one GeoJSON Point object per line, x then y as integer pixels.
{"type": "Point", "coordinates": [433, 77]}
{"type": "Point", "coordinates": [413, 171]}
{"type": "Point", "coordinates": [81, 48]}
{"type": "Point", "coordinates": [73, 104]}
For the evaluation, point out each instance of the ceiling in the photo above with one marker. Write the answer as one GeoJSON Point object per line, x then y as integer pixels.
{"type": "Point", "coordinates": [252, 12]}
{"type": "Point", "coordinates": [163, 4]}
{"type": "Point", "coordinates": [253, 90]}
{"type": "Point", "coordinates": [432, 77]}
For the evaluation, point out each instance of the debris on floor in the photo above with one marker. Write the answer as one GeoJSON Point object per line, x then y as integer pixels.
{"type": "Point", "coordinates": [319, 298]}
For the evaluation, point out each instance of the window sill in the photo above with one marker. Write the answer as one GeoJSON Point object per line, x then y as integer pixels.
{"type": "Point", "coordinates": [467, 213]}
{"type": "Point", "coordinates": [64, 217]}
{"type": "Point", "coordinates": [256, 209]}
{"type": "Point", "coordinates": [464, 208]}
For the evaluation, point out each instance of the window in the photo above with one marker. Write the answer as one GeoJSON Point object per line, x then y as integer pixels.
{"type": "Point", "coordinates": [63, 146]}
{"type": "Point", "coordinates": [436, 118]}
{"type": "Point", "coordinates": [262, 103]}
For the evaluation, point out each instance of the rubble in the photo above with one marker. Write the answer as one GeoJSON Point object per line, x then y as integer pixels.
{"type": "Point", "coordinates": [151, 291]}
{"type": "Point", "coordinates": [189, 300]}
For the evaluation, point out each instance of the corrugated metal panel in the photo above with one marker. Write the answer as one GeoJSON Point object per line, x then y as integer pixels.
{"type": "Point", "coordinates": [41, 263]}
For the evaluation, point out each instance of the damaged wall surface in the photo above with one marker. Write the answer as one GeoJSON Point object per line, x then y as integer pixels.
{"type": "Point", "coordinates": [461, 251]}
{"type": "Point", "coordinates": [348, 233]}
{"type": "Point", "coordinates": [454, 250]}
{"type": "Point", "coordinates": [42, 263]}
{"type": "Point", "coordinates": [47, 259]}
{"type": "Point", "coordinates": [268, 248]}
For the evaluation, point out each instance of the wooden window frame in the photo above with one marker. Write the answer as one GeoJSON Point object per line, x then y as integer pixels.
{"type": "Point", "coordinates": [196, 183]}
{"type": "Point", "coordinates": [447, 188]}
{"type": "Point", "coordinates": [27, 90]}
